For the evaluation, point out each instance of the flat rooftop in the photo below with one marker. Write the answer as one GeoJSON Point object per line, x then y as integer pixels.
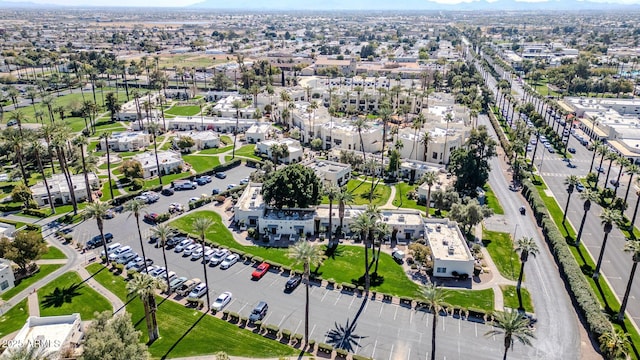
{"type": "Point", "coordinates": [251, 198]}
{"type": "Point", "coordinates": [327, 166]}
{"type": "Point", "coordinates": [445, 241]}
{"type": "Point", "coordinates": [50, 332]}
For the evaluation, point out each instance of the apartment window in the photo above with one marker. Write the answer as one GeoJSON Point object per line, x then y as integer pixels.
{"type": "Point", "coordinates": [441, 270]}
{"type": "Point", "coordinates": [434, 155]}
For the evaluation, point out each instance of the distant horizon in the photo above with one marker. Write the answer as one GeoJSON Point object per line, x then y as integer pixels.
{"type": "Point", "coordinates": [280, 5]}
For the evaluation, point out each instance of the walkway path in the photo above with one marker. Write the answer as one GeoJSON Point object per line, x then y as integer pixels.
{"type": "Point", "coordinates": [115, 301]}
{"type": "Point", "coordinates": [389, 203]}
{"type": "Point", "coordinates": [34, 307]}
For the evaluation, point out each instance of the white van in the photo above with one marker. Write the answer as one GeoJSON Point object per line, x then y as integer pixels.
{"type": "Point", "coordinates": [121, 251]}
{"type": "Point", "coordinates": [111, 248]}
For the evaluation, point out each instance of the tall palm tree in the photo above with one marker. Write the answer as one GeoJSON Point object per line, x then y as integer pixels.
{"type": "Point", "coordinates": [27, 352]}
{"type": "Point", "coordinates": [382, 230]}
{"type": "Point", "coordinates": [307, 254]}
{"type": "Point", "coordinates": [163, 232]}
{"type": "Point", "coordinates": [363, 225]}
{"type": "Point", "coordinates": [135, 207]}
{"type": "Point", "coordinates": [97, 211]}
{"type": "Point", "coordinates": [571, 181]}
{"type": "Point", "coordinates": [633, 247]}
{"type": "Point", "coordinates": [612, 156]}
{"type": "Point", "coordinates": [105, 136]}
{"type": "Point", "coordinates": [361, 124]}
{"type": "Point", "coordinates": [81, 142]}
{"type": "Point", "coordinates": [589, 196]}
{"type": "Point", "coordinates": [604, 151]}
{"type": "Point", "coordinates": [607, 218]}
{"type": "Point", "coordinates": [435, 297]}
{"type": "Point", "coordinates": [526, 246]}
{"type": "Point", "coordinates": [425, 140]}
{"type": "Point", "coordinates": [632, 170]}
{"type": "Point", "coordinates": [623, 162]}
{"type": "Point", "coordinates": [16, 142]}
{"type": "Point", "coordinates": [153, 128]}
{"type": "Point", "coordinates": [416, 125]}
{"type": "Point", "coordinates": [201, 225]}
{"type": "Point", "coordinates": [344, 197]}
{"type": "Point", "coordinates": [430, 178]}
{"type": "Point", "coordinates": [511, 324]}
{"type": "Point", "coordinates": [331, 192]}
{"type": "Point", "coordinates": [614, 344]}
{"type": "Point", "coordinates": [237, 104]}
{"type": "Point", "coordinates": [448, 119]}
{"type": "Point", "coordinates": [144, 286]}
{"type": "Point", "coordinates": [61, 137]}
{"type": "Point", "coordinates": [37, 150]}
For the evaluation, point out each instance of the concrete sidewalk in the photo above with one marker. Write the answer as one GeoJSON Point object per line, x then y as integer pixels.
{"type": "Point", "coordinates": [115, 301]}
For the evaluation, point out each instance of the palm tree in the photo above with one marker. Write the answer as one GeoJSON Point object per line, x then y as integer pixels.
{"type": "Point", "coordinates": [237, 104]}
{"type": "Point", "coordinates": [97, 211]}
{"type": "Point", "coordinates": [344, 198]}
{"type": "Point", "coordinates": [588, 196]}
{"type": "Point", "coordinates": [430, 178]}
{"type": "Point", "coordinates": [81, 142]}
{"type": "Point", "coordinates": [364, 224]}
{"type": "Point", "coordinates": [511, 324]}
{"type": "Point", "coordinates": [37, 150]}
{"type": "Point", "coordinates": [383, 230]}
{"type": "Point", "coordinates": [434, 296]}
{"type": "Point", "coordinates": [612, 156]}
{"type": "Point", "coordinates": [361, 124]}
{"type": "Point", "coordinates": [106, 135]}
{"type": "Point", "coordinates": [614, 344]}
{"type": "Point", "coordinates": [16, 142]}
{"type": "Point", "coordinates": [633, 247]}
{"type": "Point", "coordinates": [632, 170]}
{"type": "Point", "coordinates": [571, 181]}
{"type": "Point", "coordinates": [418, 121]}
{"type": "Point", "coordinates": [332, 193]}
{"type": "Point", "coordinates": [526, 246]}
{"type": "Point", "coordinates": [201, 225]}
{"type": "Point", "coordinates": [27, 352]}
{"type": "Point", "coordinates": [163, 232]}
{"type": "Point", "coordinates": [144, 286]}
{"type": "Point", "coordinates": [426, 139]}
{"type": "Point", "coordinates": [604, 151]}
{"type": "Point", "coordinates": [448, 118]}
{"type": "Point", "coordinates": [623, 162]}
{"type": "Point", "coordinates": [153, 128]}
{"type": "Point", "coordinates": [308, 255]}
{"type": "Point", "coordinates": [134, 207]}
{"type": "Point", "coordinates": [607, 218]}
{"type": "Point", "coordinates": [61, 136]}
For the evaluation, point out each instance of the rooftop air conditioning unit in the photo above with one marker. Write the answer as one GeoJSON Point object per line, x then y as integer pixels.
{"type": "Point", "coordinates": [445, 242]}
{"type": "Point", "coordinates": [451, 250]}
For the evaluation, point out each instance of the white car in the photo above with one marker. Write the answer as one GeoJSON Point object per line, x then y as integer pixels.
{"type": "Point", "coordinates": [218, 257]}
{"type": "Point", "coordinates": [222, 301]}
{"type": "Point", "coordinates": [208, 254]}
{"type": "Point", "coordinates": [183, 244]}
{"type": "Point", "coordinates": [229, 260]}
{"type": "Point", "coordinates": [197, 253]}
{"type": "Point", "coordinates": [190, 249]}
{"type": "Point", "coordinates": [159, 271]}
{"type": "Point", "coordinates": [198, 291]}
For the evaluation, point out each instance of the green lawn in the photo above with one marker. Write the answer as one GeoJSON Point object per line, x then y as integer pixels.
{"type": "Point", "coordinates": [216, 150]}
{"type": "Point", "coordinates": [501, 248]}
{"type": "Point", "coordinates": [183, 335]}
{"type": "Point", "coordinates": [479, 299]}
{"type": "Point", "coordinates": [361, 189]}
{"type": "Point", "coordinates": [202, 163]}
{"type": "Point", "coordinates": [345, 266]}
{"type": "Point", "coordinates": [67, 294]}
{"type": "Point", "coordinates": [492, 201]}
{"type": "Point", "coordinates": [247, 151]}
{"type": "Point", "coordinates": [167, 179]}
{"type": "Point", "coordinates": [401, 200]}
{"type": "Point", "coordinates": [188, 110]}
{"type": "Point", "coordinates": [54, 253]}
{"type": "Point", "coordinates": [25, 283]}
{"type": "Point", "coordinates": [225, 139]}
{"type": "Point", "coordinates": [14, 319]}
{"type": "Point", "coordinates": [511, 298]}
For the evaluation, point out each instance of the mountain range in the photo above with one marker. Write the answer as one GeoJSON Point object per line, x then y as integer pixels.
{"type": "Point", "coordinates": [378, 5]}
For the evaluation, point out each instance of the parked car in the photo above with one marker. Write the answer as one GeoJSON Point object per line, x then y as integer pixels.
{"type": "Point", "coordinates": [126, 257]}
{"type": "Point", "coordinates": [550, 149]}
{"type": "Point", "coordinates": [183, 244]}
{"type": "Point", "coordinates": [292, 283]}
{"type": "Point", "coordinates": [614, 182]}
{"type": "Point", "coordinates": [138, 264]}
{"type": "Point", "coordinates": [229, 261]}
{"type": "Point", "coordinates": [96, 241]}
{"type": "Point", "coordinates": [167, 192]}
{"type": "Point", "coordinates": [600, 169]}
{"type": "Point", "coordinates": [259, 312]}
{"type": "Point", "coordinates": [142, 198]}
{"type": "Point", "coordinates": [175, 284]}
{"type": "Point", "coordinates": [197, 253]}
{"type": "Point", "coordinates": [215, 191]}
{"type": "Point", "coordinates": [188, 285]}
{"type": "Point", "coordinates": [159, 271]}
{"type": "Point", "coordinates": [523, 210]}
{"type": "Point", "coordinates": [259, 272]}
{"type": "Point", "coordinates": [109, 214]}
{"type": "Point", "coordinates": [218, 257]}
{"type": "Point", "coordinates": [12, 122]}
{"type": "Point", "coordinates": [151, 218]}
{"type": "Point", "coordinates": [571, 150]}
{"type": "Point", "coordinates": [571, 165]}
{"type": "Point", "coordinates": [222, 301]}
{"type": "Point", "coordinates": [208, 254]}
{"type": "Point", "coordinates": [121, 251]}
{"type": "Point", "coordinates": [189, 249]}
{"type": "Point", "coordinates": [171, 243]}
{"type": "Point", "coordinates": [580, 187]}
{"type": "Point", "coordinates": [151, 196]}
{"type": "Point", "coordinates": [221, 175]}
{"type": "Point", "coordinates": [203, 180]}
{"type": "Point", "coordinates": [244, 181]}
{"type": "Point", "coordinates": [231, 186]}
{"type": "Point", "coordinates": [176, 208]}
{"type": "Point", "coordinates": [198, 291]}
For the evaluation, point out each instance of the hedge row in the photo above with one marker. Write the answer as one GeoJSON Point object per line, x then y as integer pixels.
{"type": "Point", "coordinates": [570, 271]}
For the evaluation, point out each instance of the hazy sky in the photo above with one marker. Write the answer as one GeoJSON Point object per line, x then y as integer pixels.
{"type": "Point", "coordinates": [259, 3]}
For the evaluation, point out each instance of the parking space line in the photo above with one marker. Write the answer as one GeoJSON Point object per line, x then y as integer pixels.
{"type": "Point", "coordinates": [297, 327]}
{"type": "Point", "coordinates": [373, 354]}
{"type": "Point", "coordinates": [338, 299]}
{"type": "Point", "coordinates": [409, 354]}
{"type": "Point", "coordinates": [323, 296]}
{"type": "Point", "coordinates": [476, 326]}
{"type": "Point", "coordinates": [459, 326]}
{"type": "Point", "coordinates": [281, 321]}
{"type": "Point", "coordinates": [353, 298]}
{"type": "Point", "coordinates": [411, 317]}
{"type": "Point", "coordinates": [380, 313]}
{"type": "Point", "coordinates": [242, 308]}
{"type": "Point", "coordinates": [396, 313]}
{"type": "Point", "coordinates": [391, 352]}
{"type": "Point", "coordinates": [312, 330]}
{"type": "Point", "coordinates": [443, 327]}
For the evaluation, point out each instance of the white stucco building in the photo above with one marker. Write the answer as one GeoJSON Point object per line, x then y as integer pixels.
{"type": "Point", "coordinates": [52, 333]}
{"type": "Point", "coordinates": [129, 141]}
{"type": "Point", "coordinates": [59, 189]}
{"type": "Point", "coordinates": [295, 150]}
{"type": "Point", "coordinates": [257, 132]}
{"type": "Point", "coordinates": [331, 172]}
{"type": "Point", "coordinates": [449, 248]}
{"type": "Point", "coordinates": [7, 280]}
{"type": "Point", "coordinates": [170, 161]}
{"type": "Point", "coordinates": [201, 139]}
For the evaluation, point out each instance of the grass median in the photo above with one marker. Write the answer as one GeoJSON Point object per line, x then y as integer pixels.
{"type": "Point", "coordinates": [27, 282]}
{"type": "Point", "coordinates": [68, 294]}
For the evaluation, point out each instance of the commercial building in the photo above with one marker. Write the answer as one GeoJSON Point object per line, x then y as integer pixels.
{"type": "Point", "coordinates": [7, 280]}
{"type": "Point", "coordinates": [59, 189]}
{"type": "Point", "coordinates": [54, 334]}
{"type": "Point", "coordinates": [170, 162]}
{"type": "Point", "coordinates": [449, 249]}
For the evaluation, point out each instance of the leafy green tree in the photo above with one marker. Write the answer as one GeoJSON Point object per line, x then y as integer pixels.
{"type": "Point", "coordinates": [316, 144]}
{"type": "Point", "coordinates": [470, 164]}
{"type": "Point", "coordinates": [131, 169]}
{"type": "Point", "coordinates": [22, 193]}
{"type": "Point", "coordinates": [614, 345]}
{"type": "Point", "coordinates": [27, 352]}
{"type": "Point", "coordinates": [511, 324]}
{"type": "Point", "coordinates": [430, 178]}
{"type": "Point", "coordinates": [293, 186]}
{"type": "Point", "coordinates": [27, 246]}
{"type": "Point", "coordinates": [303, 252]}
{"type": "Point", "coordinates": [144, 286]}
{"type": "Point", "coordinates": [434, 296]}
{"type": "Point", "coordinates": [113, 338]}
{"type": "Point", "coordinates": [112, 105]}
{"type": "Point", "coordinates": [185, 143]}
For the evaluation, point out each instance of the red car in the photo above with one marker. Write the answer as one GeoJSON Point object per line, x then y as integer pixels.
{"type": "Point", "coordinates": [260, 271]}
{"type": "Point", "coordinates": [151, 218]}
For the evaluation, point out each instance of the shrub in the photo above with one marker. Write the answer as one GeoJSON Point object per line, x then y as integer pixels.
{"type": "Point", "coordinates": [325, 348]}
{"type": "Point", "coordinates": [137, 184]}
{"type": "Point", "coordinates": [251, 232]}
{"type": "Point", "coordinates": [258, 259]}
{"type": "Point", "coordinates": [258, 325]}
{"type": "Point", "coordinates": [341, 353]}
{"type": "Point", "coordinates": [359, 357]}
{"type": "Point", "coordinates": [286, 334]}
{"type": "Point", "coordinates": [272, 330]}
{"type": "Point", "coordinates": [243, 320]}
{"type": "Point", "coordinates": [297, 338]}
{"type": "Point", "coordinates": [234, 317]}
{"type": "Point", "coordinates": [405, 300]}
{"type": "Point", "coordinates": [225, 314]}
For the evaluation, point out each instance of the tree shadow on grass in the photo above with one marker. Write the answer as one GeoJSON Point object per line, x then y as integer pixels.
{"type": "Point", "coordinates": [333, 251]}
{"type": "Point", "coordinates": [374, 280]}
{"type": "Point", "coordinates": [607, 308]}
{"type": "Point", "coordinates": [344, 337]}
{"type": "Point", "coordinates": [59, 296]}
{"type": "Point", "coordinates": [183, 336]}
